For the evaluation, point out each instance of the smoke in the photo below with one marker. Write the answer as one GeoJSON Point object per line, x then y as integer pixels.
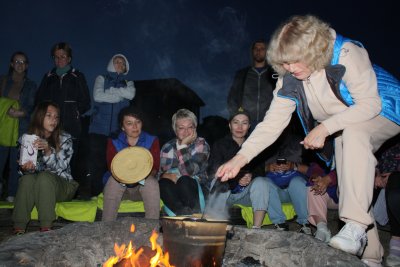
{"type": "Point", "coordinates": [216, 207]}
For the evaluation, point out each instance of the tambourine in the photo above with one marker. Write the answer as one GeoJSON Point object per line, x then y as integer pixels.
{"type": "Point", "coordinates": [131, 165]}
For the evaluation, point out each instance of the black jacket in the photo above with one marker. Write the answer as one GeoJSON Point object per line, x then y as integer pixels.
{"type": "Point", "coordinates": [71, 93]}
{"type": "Point", "coordinates": [252, 91]}
{"type": "Point", "coordinates": [222, 151]}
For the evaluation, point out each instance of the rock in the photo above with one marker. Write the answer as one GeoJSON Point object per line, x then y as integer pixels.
{"type": "Point", "coordinates": [76, 244]}
{"type": "Point", "coordinates": [91, 244]}
{"type": "Point", "coordinates": [279, 248]}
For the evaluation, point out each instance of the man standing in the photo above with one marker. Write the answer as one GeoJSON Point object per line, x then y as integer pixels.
{"type": "Point", "coordinates": [252, 86]}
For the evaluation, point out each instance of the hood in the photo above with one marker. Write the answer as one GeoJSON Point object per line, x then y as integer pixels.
{"type": "Point", "coordinates": [111, 68]}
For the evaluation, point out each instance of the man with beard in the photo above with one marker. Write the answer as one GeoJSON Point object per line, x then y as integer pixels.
{"type": "Point", "coordinates": [252, 86]}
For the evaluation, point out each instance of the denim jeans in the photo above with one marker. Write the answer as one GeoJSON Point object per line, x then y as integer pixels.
{"type": "Point", "coordinates": [296, 193]}
{"type": "Point", "coordinates": [10, 154]}
{"type": "Point", "coordinates": [254, 195]}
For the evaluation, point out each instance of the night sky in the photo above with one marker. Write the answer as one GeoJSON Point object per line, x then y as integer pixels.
{"type": "Point", "coordinates": [201, 43]}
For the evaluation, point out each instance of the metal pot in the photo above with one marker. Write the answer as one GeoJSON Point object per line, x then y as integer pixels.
{"type": "Point", "coordinates": [194, 242]}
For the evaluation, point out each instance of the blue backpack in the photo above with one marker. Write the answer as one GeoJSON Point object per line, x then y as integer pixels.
{"type": "Point", "coordinates": [388, 85]}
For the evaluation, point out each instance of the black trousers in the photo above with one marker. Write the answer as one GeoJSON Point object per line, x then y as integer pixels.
{"type": "Point", "coordinates": [393, 202]}
{"type": "Point", "coordinates": [97, 163]}
{"type": "Point", "coordinates": [182, 197]}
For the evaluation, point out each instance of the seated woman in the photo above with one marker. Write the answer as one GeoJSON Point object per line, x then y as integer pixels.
{"type": "Point", "coordinates": [50, 180]}
{"type": "Point", "coordinates": [244, 189]}
{"type": "Point", "coordinates": [321, 196]}
{"type": "Point", "coordinates": [393, 200]}
{"type": "Point", "coordinates": [286, 183]}
{"type": "Point", "coordinates": [183, 165]}
{"type": "Point", "coordinates": [132, 135]}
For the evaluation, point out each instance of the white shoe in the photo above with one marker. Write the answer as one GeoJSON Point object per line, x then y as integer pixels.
{"type": "Point", "coordinates": [392, 261]}
{"type": "Point", "coordinates": [371, 263]}
{"type": "Point", "coordinates": [351, 238]}
{"type": "Point", "coordinates": [323, 234]}
{"type": "Point", "coordinates": [10, 199]}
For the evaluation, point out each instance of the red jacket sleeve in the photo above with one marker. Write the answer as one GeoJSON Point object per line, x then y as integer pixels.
{"type": "Point", "coordinates": [155, 152]}
{"type": "Point", "coordinates": [111, 152]}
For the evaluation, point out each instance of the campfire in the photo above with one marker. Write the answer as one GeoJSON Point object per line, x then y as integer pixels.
{"type": "Point", "coordinates": [187, 241]}
{"type": "Point", "coordinates": [129, 256]}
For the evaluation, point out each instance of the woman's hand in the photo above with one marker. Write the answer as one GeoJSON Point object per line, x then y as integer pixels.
{"type": "Point", "coordinates": [15, 113]}
{"type": "Point", "coordinates": [275, 167]}
{"type": "Point", "coordinates": [320, 184]}
{"type": "Point", "coordinates": [316, 138]}
{"type": "Point", "coordinates": [171, 176]}
{"type": "Point", "coordinates": [381, 180]}
{"type": "Point", "coordinates": [231, 168]}
{"type": "Point", "coordinates": [245, 180]}
{"type": "Point", "coordinates": [28, 166]}
{"type": "Point", "coordinates": [42, 144]}
{"type": "Point", "coordinates": [189, 139]}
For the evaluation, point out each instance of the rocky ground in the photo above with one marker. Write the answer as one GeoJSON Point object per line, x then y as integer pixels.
{"type": "Point", "coordinates": [89, 244]}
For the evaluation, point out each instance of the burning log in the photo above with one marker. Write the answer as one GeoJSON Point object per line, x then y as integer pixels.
{"type": "Point", "coordinates": [141, 257]}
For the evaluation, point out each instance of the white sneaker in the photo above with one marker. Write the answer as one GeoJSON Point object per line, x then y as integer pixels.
{"type": "Point", "coordinates": [323, 234]}
{"type": "Point", "coordinates": [351, 238]}
{"type": "Point", "coordinates": [10, 199]}
{"type": "Point", "coordinates": [392, 261]}
{"type": "Point", "coordinates": [371, 263]}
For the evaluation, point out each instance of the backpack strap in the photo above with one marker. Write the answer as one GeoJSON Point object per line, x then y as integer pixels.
{"type": "Point", "coordinates": [336, 49]}
{"type": "Point", "coordinates": [338, 46]}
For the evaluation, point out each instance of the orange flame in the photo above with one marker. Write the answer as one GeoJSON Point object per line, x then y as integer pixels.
{"type": "Point", "coordinates": [132, 256]}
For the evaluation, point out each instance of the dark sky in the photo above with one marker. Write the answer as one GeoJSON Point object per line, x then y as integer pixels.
{"type": "Point", "coordinates": [201, 43]}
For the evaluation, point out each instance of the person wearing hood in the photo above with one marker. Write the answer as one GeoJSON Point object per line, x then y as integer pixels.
{"type": "Point", "coordinates": [111, 93]}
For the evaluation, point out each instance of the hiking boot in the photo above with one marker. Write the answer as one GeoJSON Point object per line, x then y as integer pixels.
{"type": "Point", "coordinates": [305, 229]}
{"type": "Point", "coordinates": [323, 234]}
{"type": "Point", "coordinates": [351, 239]}
{"type": "Point", "coordinates": [282, 226]}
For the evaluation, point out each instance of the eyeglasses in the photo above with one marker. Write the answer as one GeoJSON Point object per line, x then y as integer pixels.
{"type": "Point", "coordinates": [182, 129]}
{"type": "Point", "coordinates": [19, 62]}
{"type": "Point", "coordinates": [62, 57]}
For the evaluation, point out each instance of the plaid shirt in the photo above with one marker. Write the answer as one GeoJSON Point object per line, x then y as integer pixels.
{"type": "Point", "coordinates": [191, 160]}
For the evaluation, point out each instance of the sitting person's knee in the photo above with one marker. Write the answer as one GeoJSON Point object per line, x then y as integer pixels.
{"type": "Point", "coordinates": [260, 182]}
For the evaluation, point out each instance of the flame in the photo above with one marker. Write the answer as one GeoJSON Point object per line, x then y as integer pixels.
{"type": "Point", "coordinates": [131, 255]}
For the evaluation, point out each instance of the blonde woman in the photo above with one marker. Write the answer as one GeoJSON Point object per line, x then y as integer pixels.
{"type": "Point", "coordinates": [312, 61]}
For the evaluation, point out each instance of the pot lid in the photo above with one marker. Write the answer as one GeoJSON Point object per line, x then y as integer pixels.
{"type": "Point", "coordinates": [131, 164]}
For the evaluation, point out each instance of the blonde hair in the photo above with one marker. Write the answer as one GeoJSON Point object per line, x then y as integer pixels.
{"type": "Point", "coordinates": [183, 114]}
{"type": "Point", "coordinates": [305, 39]}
